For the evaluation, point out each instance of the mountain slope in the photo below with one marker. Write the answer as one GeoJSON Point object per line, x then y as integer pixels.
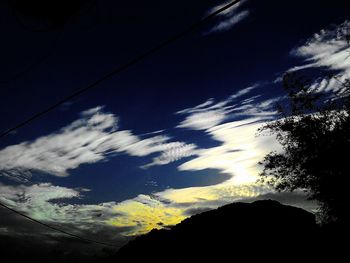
{"type": "Point", "coordinates": [263, 230]}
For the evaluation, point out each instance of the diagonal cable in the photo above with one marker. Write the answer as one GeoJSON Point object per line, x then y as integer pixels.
{"type": "Point", "coordinates": [122, 68]}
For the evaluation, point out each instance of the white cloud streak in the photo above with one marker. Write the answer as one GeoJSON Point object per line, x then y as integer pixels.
{"type": "Point", "coordinates": [37, 201]}
{"type": "Point", "coordinates": [227, 24]}
{"type": "Point", "coordinates": [238, 155]}
{"type": "Point", "coordinates": [228, 18]}
{"type": "Point", "coordinates": [204, 119]}
{"type": "Point", "coordinates": [87, 140]}
{"type": "Point", "coordinates": [175, 152]}
{"type": "Point", "coordinates": [210, 114]}
{"type": "Point", "coordinates": [326, 49]}
{"type": "Point", "coordinates": [234, 124]}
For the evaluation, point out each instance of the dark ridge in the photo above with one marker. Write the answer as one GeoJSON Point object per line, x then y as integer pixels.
{"type": "Point", "coordinates": [262, 230]}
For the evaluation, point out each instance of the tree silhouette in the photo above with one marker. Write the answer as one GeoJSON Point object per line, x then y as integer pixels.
{"type": "Point", "coordinates": [314, 132]}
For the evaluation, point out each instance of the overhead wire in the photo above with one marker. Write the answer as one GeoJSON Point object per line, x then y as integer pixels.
{"type": "Point", "coordinates": [95, 84]}
{"type": "Point", "coordinates": [122, 68]}
{"type": "Point", "coordinates": [56, 229]}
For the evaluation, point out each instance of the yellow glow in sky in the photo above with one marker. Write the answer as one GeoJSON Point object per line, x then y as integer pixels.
{"type": "Point", "coordinates": [238, 155]}
{"type": "Point", "coordinates": [143, 217]}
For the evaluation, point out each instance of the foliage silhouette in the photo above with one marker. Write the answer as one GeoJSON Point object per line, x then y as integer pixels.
{"type": "Point", "coordinates": [314, 132]}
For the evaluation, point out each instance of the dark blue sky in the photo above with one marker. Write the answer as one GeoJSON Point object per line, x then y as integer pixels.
{"type": "Point", "coordinates": [184, 74]}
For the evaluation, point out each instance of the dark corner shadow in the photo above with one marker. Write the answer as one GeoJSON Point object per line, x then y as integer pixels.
{"type": "Point", "coordinates": [262, 230]}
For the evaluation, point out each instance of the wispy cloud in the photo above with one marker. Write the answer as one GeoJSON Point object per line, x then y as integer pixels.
{"type": "Point", "coordinates": [204, 119]}
{"type": "Point", "coordinates": [234, 123]}
{"type": "Point", "coordinates": [37, 201]}
{"type": "Point", "coordinates": [90, 139]}
{"type": "Point", "coordinates": [175, 152]}
{"type": "Point", "coordinates": [238, 154]}
{"type": "Point", "coordinates": [211, 113]}
{"type": "Point", "coordinates": [228, 18]}
{"type": "Point", "coordinates": [145, 212]}
{"type": "Point", "coordinates": [327, 49]}
{"type": "Point", "coordinates": [49, 204]}
{"type": "Point", "coordinates": [228, 23]}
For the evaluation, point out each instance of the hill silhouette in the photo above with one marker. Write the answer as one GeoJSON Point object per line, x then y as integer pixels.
{"type": "Point", "coordinates": [262, 230]}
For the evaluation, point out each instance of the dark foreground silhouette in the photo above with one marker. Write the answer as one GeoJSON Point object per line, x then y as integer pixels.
{"type": "Point", "coordinates": [263, 230]}
{"type": "Point", "coordinates": [239, 232]}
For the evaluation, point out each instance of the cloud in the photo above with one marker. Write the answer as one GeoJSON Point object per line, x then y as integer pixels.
{"type": "Point", "coordinates": [326, 49]}
{"type": "Point", "coordinates": [235, 128]}
{"type": "Point", "coordinates": [144, 213]}
{"type": "Point", "coordinates": [45, 202]}
{"type": "Point", "coordinates": [204, 120]}
{"type": "Point", "coordinates": [169, 207]}
{"type": "Point", "coordinates": [239, 152]}
{"type": "Point", "coordinates": [228, 18]}
{"type": "Point", "coordinates": [175, 152]}
{"type": "Point", "coordinates": [227, 24]}
{"type": "Point", "coordinates": [198, 108]}
{"type": "Point", "coordinates": [210, 114]}
{"type": "Point", "coordinates": [242, 92]}
{"type": "Point", "coordinates": [241, 149]}
{"type": "Point", "coordinates": [238, 155]}
{"type": "Point", "coordinates": [90, 139]}
{"type": "Point", "coordinates": [96, 134]}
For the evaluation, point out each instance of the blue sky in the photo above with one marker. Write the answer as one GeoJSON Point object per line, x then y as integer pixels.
{"type": "Point", "coordinates": [173, 134]}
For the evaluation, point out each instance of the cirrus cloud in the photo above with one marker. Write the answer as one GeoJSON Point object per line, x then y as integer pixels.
{"type": "Point", "coordinates": [327, 49]}
{"type": "Point", "coordinates": [90, 139]}
{"type": "Point", "coordinates": [228, 18]}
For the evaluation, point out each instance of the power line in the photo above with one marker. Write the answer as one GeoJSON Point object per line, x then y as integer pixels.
{"type": "Point", "coordinates": [94, 84]}
{"type": "Point", "coordinates": [57, 229]}
{"type": "Point", "coordinates": [122, 68]}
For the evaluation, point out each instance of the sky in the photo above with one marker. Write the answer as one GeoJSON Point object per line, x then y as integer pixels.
{"type": "Point", "coordinates": [170, 137]}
